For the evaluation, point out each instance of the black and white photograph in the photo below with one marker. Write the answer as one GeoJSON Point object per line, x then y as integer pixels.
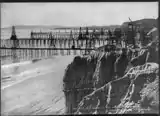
{"type": "Point", "coordinates": [60, 58]}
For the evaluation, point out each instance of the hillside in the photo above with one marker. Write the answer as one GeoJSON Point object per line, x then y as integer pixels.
{"type": "Point", "coordinates": [147, 24]}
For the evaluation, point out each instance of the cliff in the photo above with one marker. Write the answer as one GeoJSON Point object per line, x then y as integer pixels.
{"type": "Point", "coordinates": [90, 86]}
{"type": "Point", "coordinates": [136, 92]}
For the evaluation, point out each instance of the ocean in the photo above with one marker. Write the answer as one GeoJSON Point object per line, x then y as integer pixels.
{"type": "Point", "coordinates": [21, 33]}
{"type": "Point", "coordinates": [25, 33]}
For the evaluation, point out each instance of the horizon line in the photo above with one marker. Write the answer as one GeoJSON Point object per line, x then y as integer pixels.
{"type": "Point", "coordinates": [60, 26]}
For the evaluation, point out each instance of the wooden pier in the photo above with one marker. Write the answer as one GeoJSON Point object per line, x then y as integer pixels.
{"type": "Point", "coordinates": [46, 44]}
{"type": "Point", "coordinates": [29, 49]}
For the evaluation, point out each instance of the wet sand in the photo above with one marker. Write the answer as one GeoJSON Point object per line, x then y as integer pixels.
{"type": "Point", "coordinates": [39, 95]}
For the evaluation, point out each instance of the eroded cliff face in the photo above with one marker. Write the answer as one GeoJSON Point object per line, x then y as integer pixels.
{"type": "Point", "coordinates": [90, 86]}
{"type": "Point", "coordinates": [78, 80]}
{"type": "Point", "coordinates": [129, 94]}
{"type": "Point", "coordinates": [104, 69]}
{"type": "Point", "coordinates": [85, 74]}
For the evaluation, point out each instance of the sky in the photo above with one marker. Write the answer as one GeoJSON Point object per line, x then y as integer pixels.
{"type": "Point", "coordinates": [75, 14]}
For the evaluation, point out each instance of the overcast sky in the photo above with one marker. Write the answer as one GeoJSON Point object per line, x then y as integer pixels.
{"type": "Point", "coordinates": [75, 14]}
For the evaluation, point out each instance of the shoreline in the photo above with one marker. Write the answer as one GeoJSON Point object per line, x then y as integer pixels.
{"type": "Point", "coordinates": [43, 90]}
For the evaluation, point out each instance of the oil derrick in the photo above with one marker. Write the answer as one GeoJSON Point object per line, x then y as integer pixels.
{"type": "Point", "coordinates": [131, 34]}
{"type": "Point", "coordinates": [13, 35]}
{"type": "Point", "coordinates": [88, 41]}
{"type": "Point", "coordinates": [102, 32]}
{"type": "Point", "coordinates": [117, 34]}
{"type": "Point", "coordinates": [71, 36]}
{"type": "Point", "coordinates": [32, 37]}
{"type": "Point", "coordinates": [87, 33]}
{"type": "Point", "coordinates": [110, 36]}
{"type": "Point", "coordinates": [109, 33]}
{"type": "Point", "coordinates": [80, 34]}
{"type": "Point", "coordinates": [94, 34]}
{"type": "Point", "coordinates": [130, 37]}
{"type": "Point", "coordinates": [50, 35]}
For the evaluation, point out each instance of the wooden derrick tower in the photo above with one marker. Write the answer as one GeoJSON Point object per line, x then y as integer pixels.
{"type": "Point", "coordinates": [71, 35]}
{"type": "Point", "coordinates": [94, 34]}
{"type": "Point", "coordinates": [32, 37]}
{"type": "Point", "coordinates": [13, 35]}
{"type": "Point", "coordinates": [80, 34]}
{"type": "Point", "coordinates": [102, 31]}
{"type": "Point", "coordinates": [131, 34]}
{"type": "Point", "coordinates": [73, 42]}
{"type": "Point", "coordinates": [87, 33]}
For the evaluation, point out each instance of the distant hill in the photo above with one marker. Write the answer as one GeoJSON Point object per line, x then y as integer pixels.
{"type": "Point", "coordinates": [147, 24]}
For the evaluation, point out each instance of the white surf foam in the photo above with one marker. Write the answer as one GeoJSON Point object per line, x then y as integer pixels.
{"type": "Point", "coordinates": [26, 75]}
{"type": "Point", "coordinates": [16, 64]}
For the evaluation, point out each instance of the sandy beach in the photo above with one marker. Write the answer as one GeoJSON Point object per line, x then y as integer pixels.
{"type": "Point", "coordinates": [40, 92]}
